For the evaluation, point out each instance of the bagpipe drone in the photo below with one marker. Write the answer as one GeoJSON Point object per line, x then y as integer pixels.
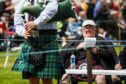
{"type": "Point", "coordinates": [67, 5]}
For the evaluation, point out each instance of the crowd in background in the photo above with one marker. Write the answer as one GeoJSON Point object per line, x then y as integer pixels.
{"type": "Point", "coordinates": [109, 16]}
{"type": "Point", "coordinates": [7, 30]}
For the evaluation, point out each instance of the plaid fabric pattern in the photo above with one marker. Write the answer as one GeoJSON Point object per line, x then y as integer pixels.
{"type": "Point", "coordinates": [53, 66]}
{"type": "Point", "coordinates": [82, 76]}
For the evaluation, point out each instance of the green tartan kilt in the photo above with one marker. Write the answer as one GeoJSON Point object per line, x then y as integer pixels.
{"type": "Point", "coordinates": [53, 65]}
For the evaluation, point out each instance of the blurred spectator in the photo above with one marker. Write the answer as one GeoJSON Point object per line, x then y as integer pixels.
{"type": "Point", "coordinates": [9, 5]}
{"type": "Point", "coordinates": [74, 25]}
{"type": "Point", "coordinates": [84, 6]}
{"type": "Point", "coordinates": [101, 13]}
{"type": "Point", "coordinates": [99, 55]}
{"type": "Point", "coordinates": [62, 26]}
{"type": "Point", "coordinates": [123, 8]}
{"type": "Point", "coordinates": [73, 28]}
{"type": "Point", "coordinates": [2, 7]}
{"type": "Point", "coordinates": [122, 63]}
{"type": "Point", "coordinates": [4, 24]}
{"type": "Point", "coordinates": [90, 10]}
{"type": "Point", "coordinates": [82, 16]}
{"type": "Point", "coordinates": [101, 32]}
{"type": "Point", "coordinates": [112, 24]}
{"type": "Point", "coordinates": [122, 26]}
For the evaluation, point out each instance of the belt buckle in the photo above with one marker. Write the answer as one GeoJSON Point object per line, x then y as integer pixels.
{"type": "Point", "coordinates": [35, 33]}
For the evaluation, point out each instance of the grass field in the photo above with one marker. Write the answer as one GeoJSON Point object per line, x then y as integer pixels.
{"type": "Point", "coordinates": [9, 77]}
{"type": "Point", "coordinates": [6, 75]}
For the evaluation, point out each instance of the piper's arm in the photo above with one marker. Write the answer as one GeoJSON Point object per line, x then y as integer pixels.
{"type": "Point", "coordinates": [19, 5]}
{"type": "Point", "coordinates": [19, 25]}
{"type": "Point", "coordinates": [49, 11]}
{"type": "Point", "coordinates": [18, 21]}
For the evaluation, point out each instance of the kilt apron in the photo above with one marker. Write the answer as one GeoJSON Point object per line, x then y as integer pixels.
{"type": "Point", "coordinates": [53, 67]}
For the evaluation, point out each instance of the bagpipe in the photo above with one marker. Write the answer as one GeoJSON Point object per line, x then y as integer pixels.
{"type": "Point", "coordinates": [61, 14]}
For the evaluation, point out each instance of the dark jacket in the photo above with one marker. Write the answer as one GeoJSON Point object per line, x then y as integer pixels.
{"type": "Point", "coordinates": [122, 57]}
{"type": "Point", "coordinates": [106, 56]}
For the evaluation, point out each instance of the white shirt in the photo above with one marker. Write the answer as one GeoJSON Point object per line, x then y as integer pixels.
{"type": "Point", "coordinates": [50, 10]}
{"type": "Point", "coordinates": [46, 15]}
{"type": "Point", "coordinates": [14, 1]}
{"type": "Point", "coordinates": [18, 21]}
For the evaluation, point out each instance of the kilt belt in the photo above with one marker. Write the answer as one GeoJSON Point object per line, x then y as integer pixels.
{"type": "Point", "coordinates": [36, 40]}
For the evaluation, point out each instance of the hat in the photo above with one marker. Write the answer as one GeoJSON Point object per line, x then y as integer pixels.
{"type": "Point", "coordinates": [88, 22]}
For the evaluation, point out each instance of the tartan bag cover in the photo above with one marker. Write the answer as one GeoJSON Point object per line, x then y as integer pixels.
{"type": "Point", "coordinates": [53, 62]}
{"type": "Point", "coordinates": [83, 65]}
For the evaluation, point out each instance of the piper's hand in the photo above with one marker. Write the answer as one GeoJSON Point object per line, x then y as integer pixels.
{"type": "Point", "coordinates": [30, 26]}
{"type": "Point", "coordinates": [81, 45]}
{"type": "Point", "coordinates": [27, 34]}
{"type": "Point", "coordinates": [118, 67]}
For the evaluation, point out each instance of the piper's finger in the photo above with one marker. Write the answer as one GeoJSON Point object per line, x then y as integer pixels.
{"type": "Point", "coordinates": [27, 36]}
{"type": "Point", "coordinates": [29, 29]}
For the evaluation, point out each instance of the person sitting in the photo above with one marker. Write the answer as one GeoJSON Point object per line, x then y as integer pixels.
{"type": "Point", "coordinates": [121, 64]}
{"type": "Point", "coordinates": [100, 56]}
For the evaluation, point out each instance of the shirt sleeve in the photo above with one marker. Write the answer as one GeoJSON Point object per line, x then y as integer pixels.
{"type": "Point", "coordinates": [18, 21]}
{"type": "Point", "coordinates": [49, 11]}
{"type": "Point", "coordinates": [19, 25]}
{"type": "Point", "coordinates": [19, 5]}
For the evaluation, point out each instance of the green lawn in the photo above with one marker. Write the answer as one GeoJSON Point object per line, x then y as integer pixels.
{"type": "Point", "coordinates": [6, 75]}
{"type": "Point", "coordinates": [9, 77]}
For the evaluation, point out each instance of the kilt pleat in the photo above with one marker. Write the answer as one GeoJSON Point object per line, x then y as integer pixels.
{"type": "Point", "coordinates": [53, 65]}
